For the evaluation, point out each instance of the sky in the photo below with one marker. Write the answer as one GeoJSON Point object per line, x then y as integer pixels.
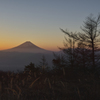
{"type": "Point", "coordinates": [39, 21]}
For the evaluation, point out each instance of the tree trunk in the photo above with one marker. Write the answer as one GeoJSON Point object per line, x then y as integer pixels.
{"type": "Point", "coordinates": [93, 58]}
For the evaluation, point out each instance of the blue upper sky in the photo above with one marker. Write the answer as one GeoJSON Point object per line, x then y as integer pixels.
{"type": "Point", "coordinates": [39, 21]}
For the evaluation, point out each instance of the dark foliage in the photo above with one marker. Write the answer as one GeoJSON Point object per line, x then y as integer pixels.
{"type": "Point", "coordinates": [32, 69]}
{"type": "Point", "coordinates": [77, 84]}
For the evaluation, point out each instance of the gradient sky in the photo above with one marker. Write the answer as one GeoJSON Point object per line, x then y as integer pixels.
{"type": "Point", "coordinates": [39, 21]}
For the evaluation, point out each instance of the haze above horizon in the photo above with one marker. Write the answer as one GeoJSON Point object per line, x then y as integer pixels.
{"type": "Point", "coordinates": [39, 21]}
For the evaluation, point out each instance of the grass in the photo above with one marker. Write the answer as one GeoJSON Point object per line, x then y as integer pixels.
{"type": "Point", "coordinates": [73, 85]}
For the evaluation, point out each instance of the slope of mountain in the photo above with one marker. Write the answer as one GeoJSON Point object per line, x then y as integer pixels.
{"type": "Point", "coordinates": [27, 47]}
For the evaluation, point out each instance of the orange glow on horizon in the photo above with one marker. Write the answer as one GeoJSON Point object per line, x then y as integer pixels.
{"type": "Point", "coordinates": [51, 49]}
{"type": "Point", "coordinates": [6, 46]}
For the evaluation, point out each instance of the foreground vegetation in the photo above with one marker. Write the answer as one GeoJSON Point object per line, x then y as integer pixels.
{"type": "Point", "coordinates": [76, 84]}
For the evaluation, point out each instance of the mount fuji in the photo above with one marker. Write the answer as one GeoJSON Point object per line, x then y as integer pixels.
{"type": "Point", "coordinates": [27, 47]}
{"type": "Point", "coordinates": [18, 57]}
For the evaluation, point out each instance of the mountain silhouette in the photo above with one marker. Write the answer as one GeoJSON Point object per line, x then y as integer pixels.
{"type": "Point", "coordinates": [27, 47]}
{"type": "Point", "coordinates": [18, 57]}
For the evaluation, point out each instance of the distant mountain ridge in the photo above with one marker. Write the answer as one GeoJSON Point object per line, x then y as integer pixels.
{"type": "Point", "coordinates": [27, 47]}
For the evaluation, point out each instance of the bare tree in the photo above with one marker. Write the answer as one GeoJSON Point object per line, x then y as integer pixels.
{"type": "Point", "coordinates": [90, 37]}
{"type": "Point", "coordinates": [43, 64]}
{"type": "Point", "coordinates": [68, 50]}
{"type": "Point", "coordinates": [59, 63]}
{"type": "Point", "coordinates": [75, 56]}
